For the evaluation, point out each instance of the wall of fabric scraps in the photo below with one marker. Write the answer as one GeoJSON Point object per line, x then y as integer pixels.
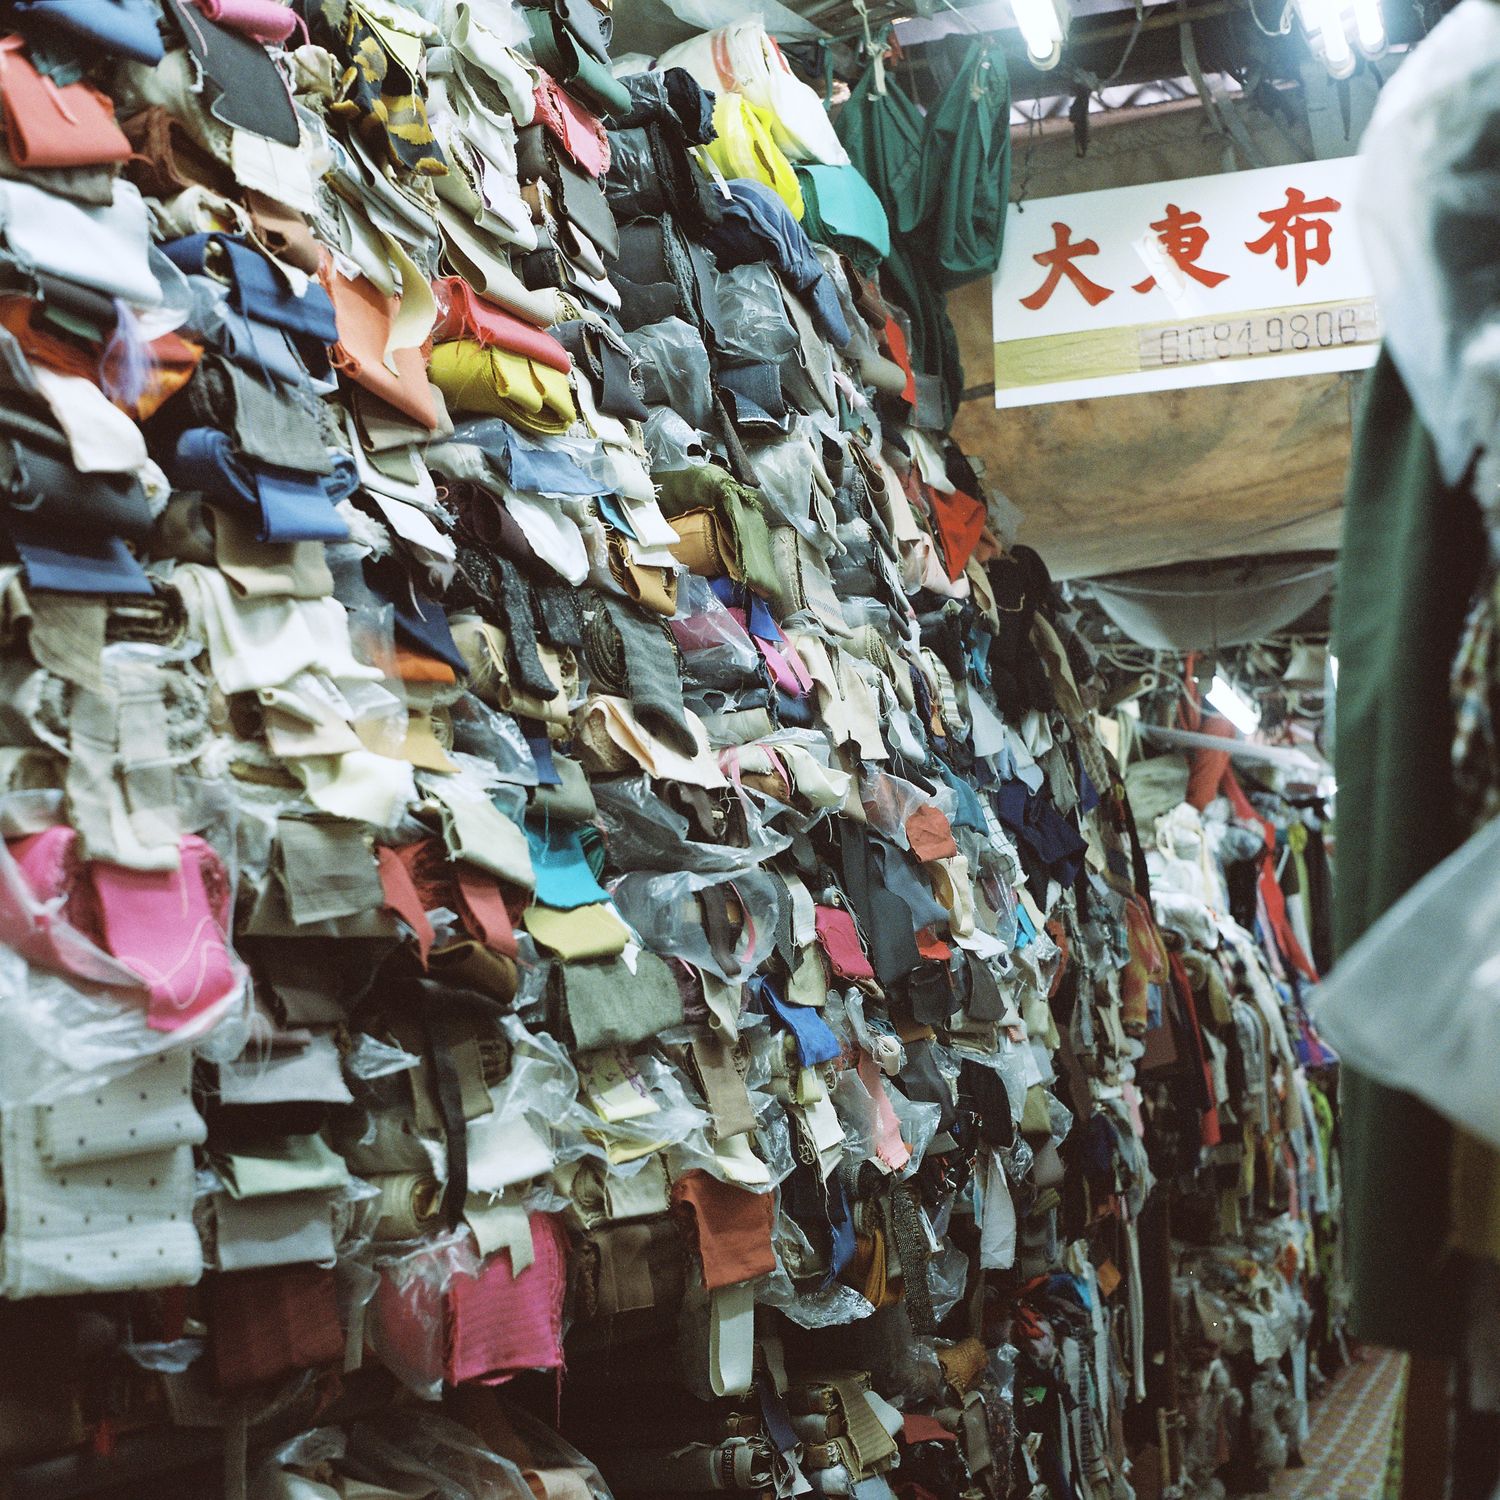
{"type": "Point", "coordinates": [559, 891]}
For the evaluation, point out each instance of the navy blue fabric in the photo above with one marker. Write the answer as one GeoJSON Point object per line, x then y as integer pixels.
{"type": "Point", "coordinates": [259, 291]}
{"type": "Point", "coordinates": [757, 225]}
{"type": "Point", "coordinates": [541, 753]}
{"type": "Point", "coordinates": [421, 621]}
{"type": "Point", "coordinates": [1041, 831]}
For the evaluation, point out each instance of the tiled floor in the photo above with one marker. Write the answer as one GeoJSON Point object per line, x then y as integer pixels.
{"type": "Point", "coordinates": [1345, 1455]}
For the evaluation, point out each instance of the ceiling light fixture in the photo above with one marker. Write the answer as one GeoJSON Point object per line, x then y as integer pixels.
{"type": "Point", "coordinates": [1044, 25]}
{"type": "Point", "coordinates": [1233, 704]}
{"type": "Point", "coordinates": [1334, 27]}
{"type": "Point", "coordinates": [1369, 27]}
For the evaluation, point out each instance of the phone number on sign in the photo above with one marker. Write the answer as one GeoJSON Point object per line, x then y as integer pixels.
{"type": "Point", "coordinates": [1284, 331]}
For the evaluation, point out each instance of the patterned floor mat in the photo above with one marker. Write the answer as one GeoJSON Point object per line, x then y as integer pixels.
{"type": "Point", "coordinates": [1346, 1453]}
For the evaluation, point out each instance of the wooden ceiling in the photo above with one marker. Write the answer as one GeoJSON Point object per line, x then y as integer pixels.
{"type": "Point", "coordinates": [1126, 482]}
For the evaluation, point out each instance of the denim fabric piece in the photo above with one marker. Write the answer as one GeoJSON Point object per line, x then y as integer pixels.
{"type": "Point", "coordinates": [759, 226]}
{"type": "Point", "coordinates": [541, 752]}
{"type": "Point", "coordinates": [259, 347]}
{"type": "Point", "coordinates": [293, 507]}
{"type": "Point", "coordinates": [529, 466]}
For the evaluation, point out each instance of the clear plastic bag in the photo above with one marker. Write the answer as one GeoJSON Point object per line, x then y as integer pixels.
{"type": "Point", "coordinates": [664, 909]}
{"type": "Point", "coordinates": [431, 1449]}
{"type": "Point", "coordinates": [1416, 1002]}
{"type": "Point", "coordinates": [674, 368]}
{"type": "Point", "coordinates": [672, 442]}
{"type": "Point", "coordinates": [648, 835]}
{"type": "Point", "coordinates": [716, 649]}
{"type": "Point", "coordinates": [755, 325]}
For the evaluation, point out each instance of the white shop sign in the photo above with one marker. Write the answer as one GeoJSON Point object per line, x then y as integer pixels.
{"type": "Point", "coordinates": [1203, 281]}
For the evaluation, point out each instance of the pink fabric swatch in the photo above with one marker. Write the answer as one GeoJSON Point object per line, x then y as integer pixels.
{"type": "Point", "coordinates": [162, 925]}
{"type": "Point", "coordinates": [501, 1324]}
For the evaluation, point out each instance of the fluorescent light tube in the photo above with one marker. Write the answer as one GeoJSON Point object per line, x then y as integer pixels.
{"type": "Point", "coordinates": [1043, 28]}
{"type": "Point", "coordinates": [1233, 704]}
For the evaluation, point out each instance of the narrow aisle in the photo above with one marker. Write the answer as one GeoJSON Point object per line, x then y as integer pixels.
{"type": "Point", "coordinates": [1346, 1452]}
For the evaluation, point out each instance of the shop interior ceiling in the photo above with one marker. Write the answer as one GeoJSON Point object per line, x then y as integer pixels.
{"type": "Point", "coordinates": [1129, 482]}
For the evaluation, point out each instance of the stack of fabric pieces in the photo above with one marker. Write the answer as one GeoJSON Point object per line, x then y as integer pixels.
{"type": "Point", "coordinates": [545, 821]}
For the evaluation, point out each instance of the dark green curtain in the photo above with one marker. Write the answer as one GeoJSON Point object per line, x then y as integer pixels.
{"type": "Point", "coordinates": [1412, 553]}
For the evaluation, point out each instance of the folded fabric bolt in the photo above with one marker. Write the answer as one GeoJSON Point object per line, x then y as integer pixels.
{"type": "Point", "coordinates": [556, 48]}
{"type": "Point", "coordinates": [410, 1203]}
{"type": "Point", "coordinates": [839, 939]}
{"type": "Point", "coordinates": [149, 1109]}
{"type": "Point", "coordinates": [258, 290]}
{"type": "Point", "coordinates": [269, 422]}
{"type": "Point", "coordinates": [120, 1224]}
{"type": "Point", "coordinates": [579, 133]}
{"type": "Point", "coordinates": [612, 740]}
{"type": "Point", "coordinates": [585, 932]}
{"type": "Point", "coordinates": [503, 1322]}
{"type": "Point", "coordinates": [48, 126]}
{"type": "Point", "coordinates": [167, 926]}
{"type": "Point", "coordinates": [127, 28]}
{"type": "Point", "coordinates": [279, 1229]}
{"type": "Point", "coordinates": [731, 1227]}
{"type": "Point", "coordinates": [738, 507]}
{"type": "Point", "coordinates": [293, 506]}
{"type": "Point", "coordinates": [47, 492]}
{"type": "Point", "coordinates": [269, 1324]}
{"type": "Point", "coordinates": [844, 211]}
{"type": "Point", "coordinates": [463, 314]}
{"type": "Point", "coordinates": [99, 566]}
{"type": "Point", "coordinates": [634, 656]}
{"type": "Point", "coordinates": [564, 878]}
{"type": "Point", "coordinates": [290, 1164]}
{"type": "Point", "coordinates": [366, 348]}
{"type": "Point", "coordinates": [615, 1005]}
{"type": "Point", "coordinates": [497, 383]}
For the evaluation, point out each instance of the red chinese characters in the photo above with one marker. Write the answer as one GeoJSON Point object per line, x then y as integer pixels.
{"type": "Point", "coordinates": [1059, 262]}
{"type": "Point", "coordinates": [1184, 239]}
{"type": "Point", "coordinates": [1297, 235]}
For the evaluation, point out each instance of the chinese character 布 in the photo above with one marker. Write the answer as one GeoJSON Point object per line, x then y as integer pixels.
{"type": "Point", "coordinates": [1297, 234]}
{"type": "Point", "coordinates": [1059, 262]}
{"type": "Point", "coordinates": [1184, 239]}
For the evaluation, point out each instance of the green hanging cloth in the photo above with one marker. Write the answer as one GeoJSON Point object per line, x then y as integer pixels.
{"type": "Point", "coordinates": [1412, 552]}
{"type": "Point", "coordinates": [966, 166]}
{"type": "Point", "coordinates": [884, 134]}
